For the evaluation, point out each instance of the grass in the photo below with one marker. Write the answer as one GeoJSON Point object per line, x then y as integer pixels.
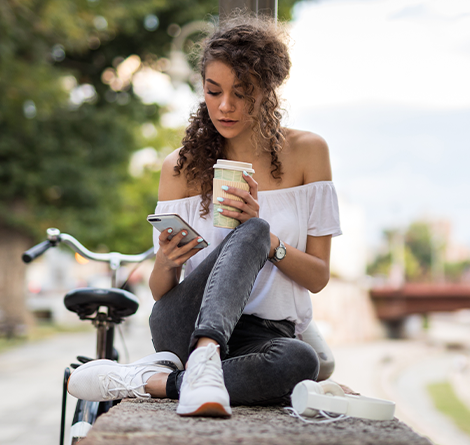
{"type": "Point", "coordinates": [9, 343]}
{"type": "Point", "coordinates": [446, 401]}
{"type": "Point", "coordinates": [41, 331]}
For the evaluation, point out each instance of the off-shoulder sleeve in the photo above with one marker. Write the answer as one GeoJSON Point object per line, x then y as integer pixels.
{"type": "Point", "coordinates": [324, 210]}
{"type": "Point", "coordinates": [183, 207]}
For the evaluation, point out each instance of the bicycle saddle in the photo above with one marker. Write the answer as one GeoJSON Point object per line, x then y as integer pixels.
{"type": "Point", "coordinates": [87, 300]}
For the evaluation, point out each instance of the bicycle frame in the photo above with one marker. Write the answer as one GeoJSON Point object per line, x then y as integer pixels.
{"type": "Point", "coordinates": [87, 412]}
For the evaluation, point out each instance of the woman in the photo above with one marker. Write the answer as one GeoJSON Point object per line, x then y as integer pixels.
{"type": "Point", "coordinates": [235, 315]}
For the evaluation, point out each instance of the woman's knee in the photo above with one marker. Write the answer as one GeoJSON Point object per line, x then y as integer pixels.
{"type": "Point", "coordinates": [327, 366]}
{"type": "Point", "coordinates": [298, 359]}
{"type": "Point", "coordinates": [256, 233]}
{"type": "Point", "coordinates": [258, 225]}
{"type": "Point", "coordinates": [305, 361]}
{"type": "Point", "coordinates": [313, 337]}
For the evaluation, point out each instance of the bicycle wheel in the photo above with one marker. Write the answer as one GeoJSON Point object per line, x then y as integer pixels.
{"type": "Point", "coordinates": [85, 416]}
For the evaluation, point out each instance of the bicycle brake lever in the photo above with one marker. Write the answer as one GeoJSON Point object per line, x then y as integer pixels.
{"type": "Point", "coordinates": [83, 359]}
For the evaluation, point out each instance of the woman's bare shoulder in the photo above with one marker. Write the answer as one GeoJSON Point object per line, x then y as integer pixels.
{"type": "Point", "coordinates": [172, 185]}
{"type": "Point", "coordinates": [310, 154]}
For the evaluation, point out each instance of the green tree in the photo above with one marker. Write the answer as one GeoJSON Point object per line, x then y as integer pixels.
{"type": "Point", "coordinates": [424, 255]}
{"type": "Point", "coordinates": [419, 239]}
{"type": "Point", "coordinates": [380, 265]}
{"type": "Point", "coordinates": [457, 271]}
{"type": "Point", "coordinates": [67, 132]}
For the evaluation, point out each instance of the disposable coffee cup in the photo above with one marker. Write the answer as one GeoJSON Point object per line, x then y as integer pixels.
{"type": "Point", "coordinates": [229, 173]}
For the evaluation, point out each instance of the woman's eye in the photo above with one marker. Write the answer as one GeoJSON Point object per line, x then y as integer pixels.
{"type": "Point", "coordinates": [240, 96]}
{"type": "Point", "coordinates": [213, 93]}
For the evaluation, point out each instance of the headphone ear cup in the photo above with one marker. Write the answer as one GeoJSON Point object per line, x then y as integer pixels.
{"type": "Point", "coordinates": [303, 391]}
{"type": "Point", "coordinates": [331, 388]}
{"type": "Point", "coordinates": [303, 396]}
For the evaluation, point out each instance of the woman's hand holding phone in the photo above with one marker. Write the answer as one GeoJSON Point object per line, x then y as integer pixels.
{"type": "Point", "coordinates": [178, 240]}
{"type": "Point", "coordinates": [169, 254]}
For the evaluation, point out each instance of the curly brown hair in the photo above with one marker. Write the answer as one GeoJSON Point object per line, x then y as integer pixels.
{"type": "Point", "coordinates": [256, 50]}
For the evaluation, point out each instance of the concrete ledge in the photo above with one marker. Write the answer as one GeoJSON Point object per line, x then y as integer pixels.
{"type": "Point", "coordinates": [155, 422]}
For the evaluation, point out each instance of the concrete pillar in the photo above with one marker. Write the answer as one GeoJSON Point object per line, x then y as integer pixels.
{"type": "Point", "coordinates": [268, 7]}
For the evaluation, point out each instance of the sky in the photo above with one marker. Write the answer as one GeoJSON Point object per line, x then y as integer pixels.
{"type": "Point", "coordinates": [387, 84]}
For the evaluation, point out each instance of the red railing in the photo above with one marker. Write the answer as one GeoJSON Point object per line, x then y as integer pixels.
{"type": "Point", "coordinates": [419, 298]}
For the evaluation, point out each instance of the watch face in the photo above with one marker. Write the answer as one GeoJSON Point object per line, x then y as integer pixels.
{"type": "Point", "coordinates": [280, 253]}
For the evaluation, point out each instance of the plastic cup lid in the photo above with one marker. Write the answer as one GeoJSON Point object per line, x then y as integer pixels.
{"type": "Point", "coordinates": [234, 165]}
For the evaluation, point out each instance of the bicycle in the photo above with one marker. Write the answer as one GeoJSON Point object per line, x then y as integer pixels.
{"type": "Point", "coordinates": [105, 308]}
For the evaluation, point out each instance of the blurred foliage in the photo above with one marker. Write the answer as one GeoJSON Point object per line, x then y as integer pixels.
{"type": "Point", "coordinates": [419, 241]}
{"type": "Point", "coordinates": [414, 270]}
{"type": "Point", "coordinates": [457, 271]}
{"type": "Point", "coordinates": [423, 255]}
{"type": "Point", "coordinates": [65, 163]}
{"type": "Point", "coordinates": [380, 265]}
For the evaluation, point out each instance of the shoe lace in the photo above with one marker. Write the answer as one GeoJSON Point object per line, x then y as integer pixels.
{"type": "Point", "coordinates": [112, 385]}
{"type": "Point", "coordinates": [206, 372]}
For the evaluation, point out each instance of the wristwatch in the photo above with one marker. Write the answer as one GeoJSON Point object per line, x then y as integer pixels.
{"type": "Point", "coordinates": [279, 252]}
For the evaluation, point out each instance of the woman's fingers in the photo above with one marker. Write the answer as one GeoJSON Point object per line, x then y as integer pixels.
{"type": "Point", "coordinates": [246, 213]}
{"type": "Point", "coordinates": [174, 250]}
{"type": "Point", "coordinates": [249, 206]}
{"type": "Point", "coordinates": [185, 257]}
{"type": "Point", "coordinates": [253, 185]}
{"type": "Point", "coordinates": [171, 239]}
{"type": "Point", "coordinates": [176, 240]}
{"type": "Point", "coordinates": [236, 215]}
{"type": "Point", "coordinates": [243, 194]}
{"type": "Point", "coordinates": [163, 238]}
{"type": "Point", "coordinates": [251, 209]}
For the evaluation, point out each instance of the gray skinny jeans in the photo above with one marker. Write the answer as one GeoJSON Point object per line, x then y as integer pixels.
{"type": "Point", "coordinates": [261, 360]}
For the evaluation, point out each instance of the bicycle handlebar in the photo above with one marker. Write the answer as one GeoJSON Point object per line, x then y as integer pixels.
{"type": "Point", "coordinates": [36, 251]}
{"type": "Point", "coordinates": [115, 259]}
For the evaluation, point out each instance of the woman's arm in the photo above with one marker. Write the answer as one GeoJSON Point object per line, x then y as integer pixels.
{"type": "Point", "coordinates": [308, 154]}
{"type": "Point", "coordinates": [170, 258]}
{"type": "Point", "coordinates": [311, 268]}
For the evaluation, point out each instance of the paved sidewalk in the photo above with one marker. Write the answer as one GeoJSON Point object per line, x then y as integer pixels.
{"type": "Point", "coordinates": [137, 422]}
{"type": "Point", "coordinates": [31, 383]}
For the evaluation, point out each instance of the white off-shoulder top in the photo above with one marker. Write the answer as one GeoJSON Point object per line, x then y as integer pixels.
{"type": "Point", "coordinates": [293, 214]}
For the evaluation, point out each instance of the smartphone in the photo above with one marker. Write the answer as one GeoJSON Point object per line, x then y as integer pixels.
{"type": "Point", "coordinates": [164, 221]}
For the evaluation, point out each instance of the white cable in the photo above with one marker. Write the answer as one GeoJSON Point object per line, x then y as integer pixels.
{"type": "Point", "coordinates": [321, 417]}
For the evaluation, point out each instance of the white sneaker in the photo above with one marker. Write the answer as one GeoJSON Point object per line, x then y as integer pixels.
{"type": "Point", "coordinates": [203, 391]}
{"type": "Point", "coordinates": [101, 380]}
{"type": "Point", "coordinates": [163, 359]}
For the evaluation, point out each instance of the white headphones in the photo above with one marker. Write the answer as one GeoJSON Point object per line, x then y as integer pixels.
{"type": "Point", "coordinates": [309, 397]}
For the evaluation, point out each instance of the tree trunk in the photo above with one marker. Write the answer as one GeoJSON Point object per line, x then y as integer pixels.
{"type": "Point", "coordinates": [14, 316]}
